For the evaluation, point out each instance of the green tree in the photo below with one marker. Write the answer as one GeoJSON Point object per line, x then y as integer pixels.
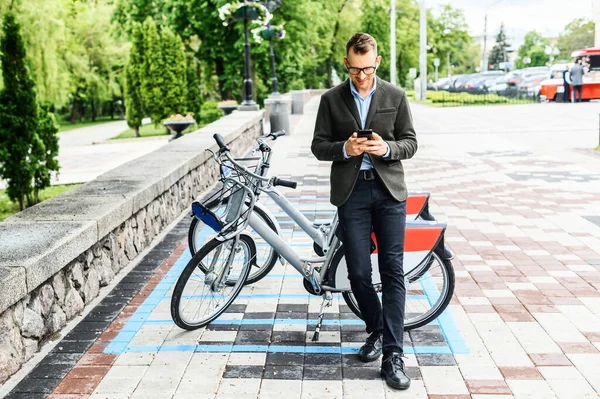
{"type": "Point", "coordinates": [133, 72]}
{"type": "Point", "coordinates": [152, 77]}
{"type": "Point", "coordinates": [501, 49]}
{"type": "Point", "coordinates": [44, 153]}
{"type": "Point", "coordinates": [19, 114]}
{"type": "Point", "coordinates": [174, 73]}
{"type": "Point", "coordinates": [451, 41]}
{"type": "Point", "coordinates": [533, 47]}
{"type": "Point", "coordinates": [578, 34]}
{"type": "Point", "coordinates": [194, 96]}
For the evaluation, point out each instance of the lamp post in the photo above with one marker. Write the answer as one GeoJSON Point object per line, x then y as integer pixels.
{"type": "Point", "coordinates": [272, 5]}
{"type": "Point", "coordinates": [248, 101]}
{"type": "Point", "coordinates": [423, 53]}
{"type": "Point", "coordinates": [393, 42]}
{"type": "Point", "coordinates": [484, 61]}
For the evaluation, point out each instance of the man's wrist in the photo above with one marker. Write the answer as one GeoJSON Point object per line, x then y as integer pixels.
{"type": "Point", "coordinates": [388, 152]}
{"type": "Point", "coordinates": [346, 156]}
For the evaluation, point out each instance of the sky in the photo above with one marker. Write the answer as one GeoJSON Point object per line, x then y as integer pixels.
{"type": "Point", "coordinates": [549, 17]}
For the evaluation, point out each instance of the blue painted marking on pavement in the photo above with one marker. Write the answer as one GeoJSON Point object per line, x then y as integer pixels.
{"type": "Point", "coordinates": [455, 341]}
{"type": "Point", "coordinates": [120, 344]}
{"type": "Point", "coordinates": [227, 348]}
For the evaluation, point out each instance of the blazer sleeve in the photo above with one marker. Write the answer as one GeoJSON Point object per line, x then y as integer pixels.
{"type": "Point", "coordinates": [405, 144]}
{"type": "Point", "coordinates": [323, 145]}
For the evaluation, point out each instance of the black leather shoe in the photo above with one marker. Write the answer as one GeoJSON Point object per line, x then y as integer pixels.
{"type": "Point", "coordinates": [371, 350]}
{"type": "Point", "coordinates": [392, 368]}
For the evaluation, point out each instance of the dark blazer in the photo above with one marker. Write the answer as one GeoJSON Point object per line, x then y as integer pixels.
{"type": "Point", "coordinates": [389, 116]}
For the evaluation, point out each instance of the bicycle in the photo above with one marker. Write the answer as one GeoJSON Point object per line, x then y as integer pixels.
{"type": "Point", "coordinates": [212, 267]}
{"type": "Point", "coordinates": [266, 260]}
{"type": "Point", "coordinates": [417, 205]}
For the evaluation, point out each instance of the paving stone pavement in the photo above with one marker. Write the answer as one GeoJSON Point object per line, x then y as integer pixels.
{"type": "Point", "coordinates": [524, 322]}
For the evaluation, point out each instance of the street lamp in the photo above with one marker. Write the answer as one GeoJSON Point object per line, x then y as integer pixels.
{"type": "Point", "coordinates": [272, 5]}
{"type": "Point", "coordinates": [484, 61]}
{"type": "Point", "coordinates": [423, 53]}
{"type": "Point", "coordinates": [248, 103]}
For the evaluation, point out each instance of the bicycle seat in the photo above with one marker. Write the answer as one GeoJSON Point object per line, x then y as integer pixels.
{"type": "Point", "coordinates": [319, 224]}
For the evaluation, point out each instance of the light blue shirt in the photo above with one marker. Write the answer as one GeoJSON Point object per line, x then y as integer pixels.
{"type": "Point", "coordinates": [363, 104]}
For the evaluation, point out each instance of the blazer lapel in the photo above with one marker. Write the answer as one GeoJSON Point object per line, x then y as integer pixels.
{"type": "Point", "coordinates": [349, 100]}
{"type": "Point", "coordinates": [374, 102]}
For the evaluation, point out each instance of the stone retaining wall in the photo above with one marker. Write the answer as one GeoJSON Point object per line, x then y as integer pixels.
{"type": "Point", "coordinates": [55, 256]}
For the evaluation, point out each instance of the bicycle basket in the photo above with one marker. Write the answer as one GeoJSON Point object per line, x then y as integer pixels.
{"type": "Point", "coordinates": [207, 216]}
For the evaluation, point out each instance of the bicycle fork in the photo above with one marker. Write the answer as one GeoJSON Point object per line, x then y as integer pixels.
{"type": "Point", "coordinates": [327, 298]}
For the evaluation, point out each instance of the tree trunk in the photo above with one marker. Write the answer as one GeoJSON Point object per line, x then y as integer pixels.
{"type": "Point", "coordinates": [136, 129]}
{"type": "Point", "coordinates": [93, 109]}
{"type": "Point", "coordinates": [36, 195]}
{"type": "Point", "coordinates": [332, 49]}
{"type": "Point", "coordinates": [112, 109]}
{"type": "Point", "coordinates": [220, 69]}
{"type": "Point", "coordinates": [74, 109]}
{"type": "Point", "coordinates": [22, 201]}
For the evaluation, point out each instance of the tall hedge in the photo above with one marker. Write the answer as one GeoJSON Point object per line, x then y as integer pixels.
{"type": "Point", "coordinates": [18, 115]}
{"type": "Point", "coordinates": [194, 95]}
{"type": "Point", "coordinates": [152, 79]}
{"type": "Point", "coordinates": [174, 73]}
{"type": "Point", "coordinates": [133, 82]}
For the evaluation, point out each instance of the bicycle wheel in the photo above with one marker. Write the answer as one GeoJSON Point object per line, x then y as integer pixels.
{"type": "Point", "coordinates": [198, 297]}
{"type": "Point", "coordinates": [266, 256]}
{"type": "Point", "coordinates": [428, 293]}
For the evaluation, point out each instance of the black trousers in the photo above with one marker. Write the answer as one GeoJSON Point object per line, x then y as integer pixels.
{"type": "Point", "coordinates": [578, 90]}
{"type": "Point", "coordinates": [567, 93]}
{"type": "Point", "coordinates": [372, 208]}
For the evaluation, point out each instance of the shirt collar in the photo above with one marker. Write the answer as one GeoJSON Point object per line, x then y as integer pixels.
{"type": "Point", "coordinates": [355, 92]}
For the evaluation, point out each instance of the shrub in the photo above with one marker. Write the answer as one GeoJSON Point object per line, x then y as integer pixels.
{"type": "Point", "coordinates": [209, 113]}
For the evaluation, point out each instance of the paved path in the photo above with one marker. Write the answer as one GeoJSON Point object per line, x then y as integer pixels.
{"type": "Point", "coordinates": [86, 153]}
{"type": "Point", "coordinates": [522, 202]}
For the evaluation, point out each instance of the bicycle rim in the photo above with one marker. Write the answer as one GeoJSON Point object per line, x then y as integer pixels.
{"type": "Point", "coordinates": [198, 298]}
{"type": "Point", "coordinates": [426, 297]}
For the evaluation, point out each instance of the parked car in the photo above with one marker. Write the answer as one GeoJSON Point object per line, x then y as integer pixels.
{"type": "Point", "coordinates": [531, 84]}
{"type": "Point", "coordinates": [458, 83]}
{"type": "Point", "coordinates": [441, 84]}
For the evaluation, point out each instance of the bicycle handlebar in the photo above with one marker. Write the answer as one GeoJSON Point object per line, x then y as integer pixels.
{"type": "Point", "coordinates": [284, 183]}
{"type": "Point", "coordinates": [278, 133]}
{"type": "Point", "coordinates": [224, 150]}
{"type": "Point", "coordinates": [220, 142]}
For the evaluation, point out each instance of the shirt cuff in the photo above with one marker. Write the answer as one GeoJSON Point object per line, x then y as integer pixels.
{"type": "Point", "coordinates": [387, 153]}
{"type": "Point", "coordinates": [346, 156]}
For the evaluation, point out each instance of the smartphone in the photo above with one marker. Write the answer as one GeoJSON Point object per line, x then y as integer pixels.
{"type": "Point", "coordinates": [368, 133]}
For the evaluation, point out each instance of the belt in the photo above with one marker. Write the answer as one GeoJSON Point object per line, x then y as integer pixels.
{"type": "Point", "coordinates": [368, 174]}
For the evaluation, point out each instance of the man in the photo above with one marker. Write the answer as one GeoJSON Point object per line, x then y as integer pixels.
{"type": "Point", "coordinates": [566, 84]}
{"type": "Point", "coordinates": [577, 73]}
{"type": "Point", "coordinates": [367, 186]}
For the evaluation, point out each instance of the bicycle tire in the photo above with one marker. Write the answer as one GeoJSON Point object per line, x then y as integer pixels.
{"type": "Point", "coordinates": [263, 267]}
{"type": "Point", "coordinates": [184, 278]}
{"type": "Point", "coordinates": [441, 305]}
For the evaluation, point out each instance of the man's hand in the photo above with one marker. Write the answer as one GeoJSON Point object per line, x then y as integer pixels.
{"type": "Point", "coordinates": [353, 145]}
{"type": "Point", "coordinates": [376, 146]}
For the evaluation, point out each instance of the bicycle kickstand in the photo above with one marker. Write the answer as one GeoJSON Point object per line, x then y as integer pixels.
{"type": "Point", "coordinates": [326, 303]}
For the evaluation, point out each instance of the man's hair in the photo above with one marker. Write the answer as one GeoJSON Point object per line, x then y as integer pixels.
{"type": "Point", "coordinates": [361, 43]}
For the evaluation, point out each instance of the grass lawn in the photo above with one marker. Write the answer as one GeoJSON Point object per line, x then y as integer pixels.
{"type": "Point", "coordinates": [9, 208]}
{"type": "Point", "coordinates": [149, 130]}
{"type": "Point", "coordinates": [66, 125]}
{"type": "Point", "coordinates": [598, 148]}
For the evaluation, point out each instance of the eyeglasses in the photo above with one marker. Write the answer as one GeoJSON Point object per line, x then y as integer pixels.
{"type": "Point", "coordinates": [367, 70]}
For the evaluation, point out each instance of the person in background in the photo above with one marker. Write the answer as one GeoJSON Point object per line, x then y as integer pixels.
{"type": "Point", "coordinates": [566, 85]}
{"type": "Point", "coordinates": [577, 73]}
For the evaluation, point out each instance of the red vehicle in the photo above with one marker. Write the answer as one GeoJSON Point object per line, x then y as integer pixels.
{"type": "Point", "coordinates": [553, 87]}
